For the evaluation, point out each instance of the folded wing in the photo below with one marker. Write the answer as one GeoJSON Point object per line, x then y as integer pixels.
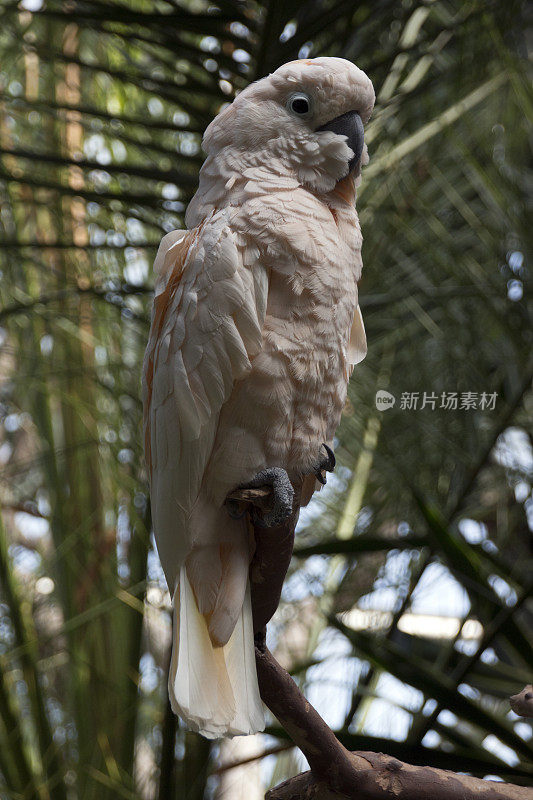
{"type": "Point", "coordinates": [206, 326]}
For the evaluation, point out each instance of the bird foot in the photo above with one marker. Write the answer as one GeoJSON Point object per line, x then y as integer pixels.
{"type": "Point", "coordinates": [326, 464]}
{"type": "Point", "coordinates": [282, 496]}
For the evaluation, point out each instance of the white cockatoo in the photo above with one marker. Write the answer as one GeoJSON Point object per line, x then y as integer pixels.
{"type": "Point", "coordinates": [255, 331]}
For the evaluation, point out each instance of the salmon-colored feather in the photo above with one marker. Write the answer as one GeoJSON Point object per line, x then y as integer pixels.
{"type": "Point", "coordinates": [160, 309]}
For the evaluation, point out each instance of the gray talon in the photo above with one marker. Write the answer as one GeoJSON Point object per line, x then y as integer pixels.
{"type": "Point", "coordinates": [327, 464]}
{"type": "Point", "coordinates": [282, 492]}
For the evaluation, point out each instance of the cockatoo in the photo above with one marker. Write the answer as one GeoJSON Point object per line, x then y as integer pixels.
{"type": "Point", "coordinates": [255, 330]}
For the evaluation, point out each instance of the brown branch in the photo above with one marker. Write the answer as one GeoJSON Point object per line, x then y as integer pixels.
{"type": "Point", "coordinates": [275, 750]}
{"type": "Point", "coordinates": [273, 551]}
{"type": "Point", "coordinates": [336, 773]}
{"type": "Point", "coordinates": [522, 703]}
{"type": "Point", "coordinates": [380, 777]}
{"type": "Point", "coordinates": [327, 757]}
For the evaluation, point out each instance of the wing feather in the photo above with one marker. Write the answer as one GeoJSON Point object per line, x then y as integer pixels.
{"type": "Point", "coordinates": [357, 346]}
{"type": "Point", "coordinates": [207, 320]}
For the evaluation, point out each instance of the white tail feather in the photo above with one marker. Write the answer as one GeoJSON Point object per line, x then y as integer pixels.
{"type": "Point", "coordinates": [213, 689]}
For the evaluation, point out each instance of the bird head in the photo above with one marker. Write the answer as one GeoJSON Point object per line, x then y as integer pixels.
{"type": "Point", "coordinates": [306, 119]}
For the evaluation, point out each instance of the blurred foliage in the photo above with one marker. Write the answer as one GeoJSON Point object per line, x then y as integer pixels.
{"type": "Point", "coordinates": [102, 106]}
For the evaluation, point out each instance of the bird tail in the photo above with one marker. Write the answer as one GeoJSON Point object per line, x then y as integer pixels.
{"type": "Point", "coordinates": [213, 689]}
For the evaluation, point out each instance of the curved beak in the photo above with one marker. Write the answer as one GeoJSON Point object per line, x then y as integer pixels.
{"type": "Point", "coordinates": [351, 126]}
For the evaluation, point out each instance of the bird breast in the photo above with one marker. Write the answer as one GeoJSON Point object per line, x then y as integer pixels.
{"type": "Point", "coordinates": [292, 399]}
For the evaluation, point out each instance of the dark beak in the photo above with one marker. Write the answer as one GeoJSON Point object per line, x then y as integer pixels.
{"type": "Point", "coordinates": [351, 126]}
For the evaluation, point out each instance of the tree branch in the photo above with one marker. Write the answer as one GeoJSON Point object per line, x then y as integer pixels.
{"type": "Point", "coordinates": [522, 703]}
{"type": "Point", "coordinates": [336, 773]}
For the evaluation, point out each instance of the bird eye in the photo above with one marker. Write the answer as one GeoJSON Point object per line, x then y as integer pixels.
{"type": "Point", "coordinates": [299, 104]}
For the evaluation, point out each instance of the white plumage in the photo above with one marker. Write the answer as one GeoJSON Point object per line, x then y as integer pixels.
{"type": "Point", "coordinates": [255, 329]}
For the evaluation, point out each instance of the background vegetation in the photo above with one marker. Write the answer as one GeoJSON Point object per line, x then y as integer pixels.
{"type": "Point", "coordinates": [102, 106]}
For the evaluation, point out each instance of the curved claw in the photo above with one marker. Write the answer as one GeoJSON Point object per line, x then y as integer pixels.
{"type": "Point", "coordinates": [320, 478]}
{"type": "Point", "coordinates": [327, 464]}
{"type": "Point", "coordinates": [332, 461]}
